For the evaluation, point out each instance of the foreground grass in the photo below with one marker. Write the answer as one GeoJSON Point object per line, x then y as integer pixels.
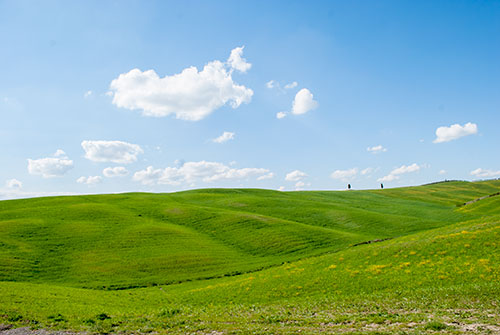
{"type": "Point", "coordinates": [441, 277]}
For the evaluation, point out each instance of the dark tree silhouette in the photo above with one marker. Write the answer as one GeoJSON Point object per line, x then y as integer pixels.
{"type": "Point", "coordinates": [348, 186]}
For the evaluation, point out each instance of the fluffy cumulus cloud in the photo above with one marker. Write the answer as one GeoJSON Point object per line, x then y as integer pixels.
{"type": "Point", "coordinates": [118, 171]}
{"type": "Point", "coordinates": [376, 149]}
{"type": "Point", "coordinates": [303, 102]}
{"type": "Point", "coordinates": [291, 85]}
{"type": "Point", "coordinates": [111, 151]}
{"type": "Point", "coordinates": [295, 175]}
{"type": "Point", "coordinates": [49, 167]}
{"type": "Point", "coordinates": [237, 62]}
{"type": "Point", "coordinates": [482, 173]}
{"type": "Point", "coordinates": [91, 180]}
{"type": "Point", "coordinates": [399, 171]}
{"type": "Point", "coordinates": [226, 136]}
{"type": "Point", "coordinates": [190, 95]}
{"type": "Point", "coordinates": [344, 175]}
{"type": "Point", "coordinates": [453, 132]}
{"type": "Point", "coordinates": [13, 184]}
{"type": "Point", "coordinates": [191, 172]}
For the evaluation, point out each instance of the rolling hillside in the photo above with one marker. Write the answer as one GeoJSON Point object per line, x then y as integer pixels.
{"type": "Point", "coordinates": [248, 260]}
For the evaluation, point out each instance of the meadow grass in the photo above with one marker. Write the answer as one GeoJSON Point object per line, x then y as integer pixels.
{"type": "Point", "coordinates": [255, 261]}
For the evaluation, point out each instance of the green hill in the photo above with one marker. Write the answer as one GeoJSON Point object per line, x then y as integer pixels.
{"type": "Point", "coordinates": [243, 260]}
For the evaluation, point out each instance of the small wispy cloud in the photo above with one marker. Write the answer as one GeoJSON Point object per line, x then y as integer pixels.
{"type": "Point", "coordinates": [270, 175]}
{"type": "Point", "coordinates": [344, 175]}
{"type": "Point", "coordinates": [376, 149]}
{"type": "Point", "coordinates": [295, 175]}
{"type": "Point", "coordinates": [117, 171]}
{"type": "Point", "coordinates": [91, 180]}
{"type": "Point", "coordinates": [482, 173]}
{"type": "Point", "coordinates": [280, 115]}
{"type": "Point", "coordinates": [275, 84]}
{"type": "Point", "coordinates": [226, 136]}
{"type": "Point", "coordinates": [271, 84]}
{"type": "Point", "coordinates": [366, 171]}
{"type": "Point", "coordinates": [13, 184]}
{"type": "Point", "coordinates": [394, 174]}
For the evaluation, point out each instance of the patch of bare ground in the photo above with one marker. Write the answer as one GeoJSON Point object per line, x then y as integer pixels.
{"type": "Point", "coordinates": [475, 328]}
{"type": "Point", "coordinates": [8, 330]}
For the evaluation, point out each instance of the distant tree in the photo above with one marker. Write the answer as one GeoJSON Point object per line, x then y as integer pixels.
{"type": "Point", "coordinates": [381, 185]}
{"type": "Point", "coordinates": [348, 186]}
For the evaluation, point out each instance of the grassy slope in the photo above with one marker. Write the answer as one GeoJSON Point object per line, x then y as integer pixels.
{"type": "Point", "coordinates": [450, 260]}
{"type": "Point", "coordinates": [146, 239]}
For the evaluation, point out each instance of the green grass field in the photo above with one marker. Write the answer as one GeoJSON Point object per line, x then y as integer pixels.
{"type": "Point", "coordinates": [255, 261]}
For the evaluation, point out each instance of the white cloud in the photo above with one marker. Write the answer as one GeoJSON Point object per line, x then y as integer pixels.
{"type": "Point", "coordinates": [303, 102]}
{"type": "Point", "coordinates": [149, 176]}
{"type": "Point", "coordinates": [191, 172]}
{"type": "Point", "coordinates": [270, 175]}
{"type": "Point", "coordinates": [226, 136]}
{"type": "Point", "coordinates": [111, 151]}
{"type": "Point", "coordinates": [190, 95]}
{"type": "Point", "coordinates": [50, 167]}
{"type": "Point", "coordinates": [295, 175]}
{"type": "Point", "coordinates": [14, 184]}
{"type": "Point", "coordinates": [376, 149]}
{"type": "Point", "coordinates": [366, 171]}
{"type": "Point", "coordinates": [91, 180]}
{"type": "Point", "coordinates": [399, 171]}
{"type": "Point", "coordinates": [280, 115]}
{"type": "Point", "coordinates": [453, 132]}
{"type": "Point", "coordinates": [271, 84]}
{"type": "Point", "coordinates": [344, 175]}
{"type": "Point", "coordinates": [237, 62]}
{"type": "Point", "coordinates": [118, 171]}
{"type": "Point", "coordinates": [281, 188]}
{"type": "Point", "coordinates": [87, 94]}
{"type": "Point", "coordinates": [299, 185]}
{"type": "Point", "coordinates": [389, 177]}
{"type": "Point", "coordinates": [441, 172]}
{"type": "Point", "coordinates": [274, 84]}
{"type": "Point", "coordinates": [406, 169]}
{"type": "Point", "coordinates": [482, 173]}
{"type": "Point", "coordinates": [59, 153]}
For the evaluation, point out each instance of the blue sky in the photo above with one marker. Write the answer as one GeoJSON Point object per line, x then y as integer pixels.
{"type": "Point", "coordinates": [116, 96]}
